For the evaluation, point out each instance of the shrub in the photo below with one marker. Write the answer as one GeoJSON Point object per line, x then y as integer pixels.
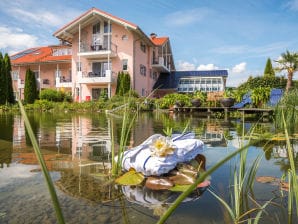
{"type": "Point", "coordinates": [172, 98]}
{"type": "Point", "coordinates": [54, 95]}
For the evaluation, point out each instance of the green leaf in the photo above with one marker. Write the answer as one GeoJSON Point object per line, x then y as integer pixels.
{"type": "Point", "coordinates": [179, 188]}
{"type": "Point", "coordinates": [130, 178]}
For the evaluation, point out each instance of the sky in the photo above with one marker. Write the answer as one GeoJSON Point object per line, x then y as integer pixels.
{"type": "Point", "coordinates": [238, 35]}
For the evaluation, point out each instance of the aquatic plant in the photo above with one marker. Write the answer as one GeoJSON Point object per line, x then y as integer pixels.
{"type": "Point", "coordinates": [200, 179]}
{"type": "Point", "coordinates": [42, 163]}
{"type": "Point", "coordinates": [287, 109]}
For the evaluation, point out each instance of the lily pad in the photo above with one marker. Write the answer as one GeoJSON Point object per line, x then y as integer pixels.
{"type": "Point", "coordinates": [267, 179]}
{"type": "Point", "coordinates": [130, 178]}
{"type": "Point", "coordinates": [179, 188]}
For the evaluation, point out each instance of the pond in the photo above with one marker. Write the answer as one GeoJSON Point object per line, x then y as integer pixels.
{"type": "Point", "coordinates": [77, 150]}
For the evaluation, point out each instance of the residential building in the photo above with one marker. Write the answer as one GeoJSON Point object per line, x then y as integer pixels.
{"type": "Point", "coordinates": [95, 47]}
{"type": "Point", "coordinates": [51, 66]}
{"type": "Point", "coordinates": [104, 45]}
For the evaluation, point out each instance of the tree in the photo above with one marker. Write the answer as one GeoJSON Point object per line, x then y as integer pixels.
{"type": "Point", "coordinates": [3, 85]}
{"type": "Point", "coordinates": [123, 83]}
{"type": "Point", "coordinates": [30, 90]}
{"type": "Point", "coordinates": [288, 62]}
{"type": "Point", "coordinates": [269, 71]}
{"type": "Point", "coordinates": [9, 95]}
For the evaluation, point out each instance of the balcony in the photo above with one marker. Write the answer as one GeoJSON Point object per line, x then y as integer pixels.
{"type": "Point", "coordinates": [90, 77]}
{"type": "Point", "coordinates": [62, 82]}
{"type": "Point", "coordinates": [98, 51]}
{"type": "Point", "coordinates": [21, 84]}
{"type": "Point", "coordinates": [45, 84]}
{"type": "Point", "coordinates": [159, 65]}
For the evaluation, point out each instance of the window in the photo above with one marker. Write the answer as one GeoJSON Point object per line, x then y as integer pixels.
{"type": "Point", "coordinates": [143, 70]}
{"type": "Point", "coordinates": [15, 75]}
{"type": "Point", "coordinates": [143, 47]}
{"type": "Point", "coordinates": [124, 37]}
{"type": "Point", "coordinates": [106, 28]}
{"type": "Point", "coordinates": [96, 28]}
{"type": "Point", "coordinates": [99, 69]}
{"type": "Point", "coordinates": [79, 66]}
{"type": "Point", "coordinates": [124, 65]}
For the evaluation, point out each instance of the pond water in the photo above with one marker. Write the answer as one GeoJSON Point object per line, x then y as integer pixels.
{"type": "Point", "coordinates": [77, 150]}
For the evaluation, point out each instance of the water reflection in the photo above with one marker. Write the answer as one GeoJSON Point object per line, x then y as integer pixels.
{"type": "Point", "coordinates": [77, 149]}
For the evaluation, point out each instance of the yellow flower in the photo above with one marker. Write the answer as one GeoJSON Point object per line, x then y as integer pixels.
{"type": "Point", "coordinates": [162, 147]}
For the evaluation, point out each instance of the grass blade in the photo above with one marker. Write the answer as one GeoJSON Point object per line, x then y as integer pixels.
{"type": "Point", "coordinates": [42, 163]}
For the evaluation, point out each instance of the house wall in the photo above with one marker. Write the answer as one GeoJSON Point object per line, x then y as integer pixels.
{"type": "Point", "coordinates": [47, 72]}
{"type": "Point", "coordinates": [128, 46]}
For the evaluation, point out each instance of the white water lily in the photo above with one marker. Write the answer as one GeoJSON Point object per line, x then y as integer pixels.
{"type": "Point", "coordinates": [162, 147]}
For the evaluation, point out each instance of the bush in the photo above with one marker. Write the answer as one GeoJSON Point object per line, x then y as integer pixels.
{"type": "Point", "coordinates": [54, 95]}
{"type": "Point", "coordinates": [172, 98]}
{"type": "Point", "coordinates": [261, 81]}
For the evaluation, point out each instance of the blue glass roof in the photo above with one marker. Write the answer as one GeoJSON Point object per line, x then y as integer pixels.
{"type": "Point", "coordinates": [23, 53]}
{"type": "Point", "coordinates": [171, 80]}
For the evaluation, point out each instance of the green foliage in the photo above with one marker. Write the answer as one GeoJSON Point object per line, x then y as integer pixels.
{"type": "Point", "coordinates": [3, 85]}
{"type": "Point", "coordinates": [228, 93]}
{"type": "Point", "coordinates": [200, 95]}
{"type": "Point", "coordinates": [30, 90]}
{"type": "Point", "coordinates": [260, 95]}
{"type": "Point", "coordinates": [238, 94]}
{"type": "Point", "coordinates": [289, 106]}
{"type": "Point", "coordinates": [260, 81]}
{"type": "Point", "coordinates": [6, 90]}
{"type": "Point", "coordinates": [43, 105]}
{"type": "Point", "coordinates": [54, 95]}
{"type": "Point", "coordinates": [269, 71]}
{"type": "Point", "coordinates": [10, 95]}
{"type": "Point", "coordinates": [172, 98]}
{"type": "Point", "coordinates": [123, 83]}
{"type": "Point", "coordinates": [289, 63]}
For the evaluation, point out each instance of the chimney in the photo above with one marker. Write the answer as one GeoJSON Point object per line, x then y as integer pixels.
{"type": "Point", "coordinates": [153, 35]}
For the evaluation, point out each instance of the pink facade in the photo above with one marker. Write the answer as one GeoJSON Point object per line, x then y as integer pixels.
{"type": "Point", "coordinates": [102, 45]}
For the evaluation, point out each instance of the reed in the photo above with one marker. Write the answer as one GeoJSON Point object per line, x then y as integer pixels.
{"type": "Point", "coordinates": [127, 123]}
{"type": "Point", "coordinates": [42, 163]}
{"type": "Point", "coordinates": [200, 179]}
{"type": "Point", "coordinates": [292, 176]}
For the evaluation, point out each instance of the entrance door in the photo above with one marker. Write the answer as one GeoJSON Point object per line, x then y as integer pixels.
{"type": "Point", "coordinates": [95, 93]}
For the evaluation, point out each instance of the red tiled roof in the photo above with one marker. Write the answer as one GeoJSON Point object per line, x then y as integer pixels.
{"type": "Point", "coordinates": [159, 40]}
{"type": "Point", "coordinates": [38, 54]}
{"type": "Point", "coordinates": [92, 10]}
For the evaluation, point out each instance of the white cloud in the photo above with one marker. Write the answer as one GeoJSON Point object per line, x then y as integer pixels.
{"type": "Point", "coordinates": [240, 68]}
{"type": "Point", "coordinates": [184, 65]}
{"type": "Point", "coordinates": [207, 67]}
{"type": "Point", "coordinates": [40, 17]}
{"type": "Point", "coordinates": [187, 17]}
{"type": "Point", "coordinates": [15, 39]}
{"type": "Point", "coordinates": [43, 17]}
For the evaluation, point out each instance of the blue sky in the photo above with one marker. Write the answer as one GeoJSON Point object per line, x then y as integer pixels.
{"type": "Point", "coordinates": [236, 35]}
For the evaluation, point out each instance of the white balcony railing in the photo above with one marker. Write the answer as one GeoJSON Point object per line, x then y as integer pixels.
{"type": "Point", "coordinates": [63, 83]}
{"type": "Point", "coordinates": [90, 77]}
{"type": "Point", "coordinates": [100, 46]}
{"type": "Point", "coordinates": [160, 65]}
{"type": "Point", "coordinates": [21, 84]}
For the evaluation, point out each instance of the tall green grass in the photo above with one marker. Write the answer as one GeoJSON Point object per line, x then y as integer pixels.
{"type": "Point", "coordinates": [42, 163]}
{"type": "Point", "coordinates": [200, 179]}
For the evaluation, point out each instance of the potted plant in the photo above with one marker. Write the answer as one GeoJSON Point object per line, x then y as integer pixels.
{"type": "Point", "coordinates": [228, 99]}
{"type": "Point", "coordinates": [198, 98]}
